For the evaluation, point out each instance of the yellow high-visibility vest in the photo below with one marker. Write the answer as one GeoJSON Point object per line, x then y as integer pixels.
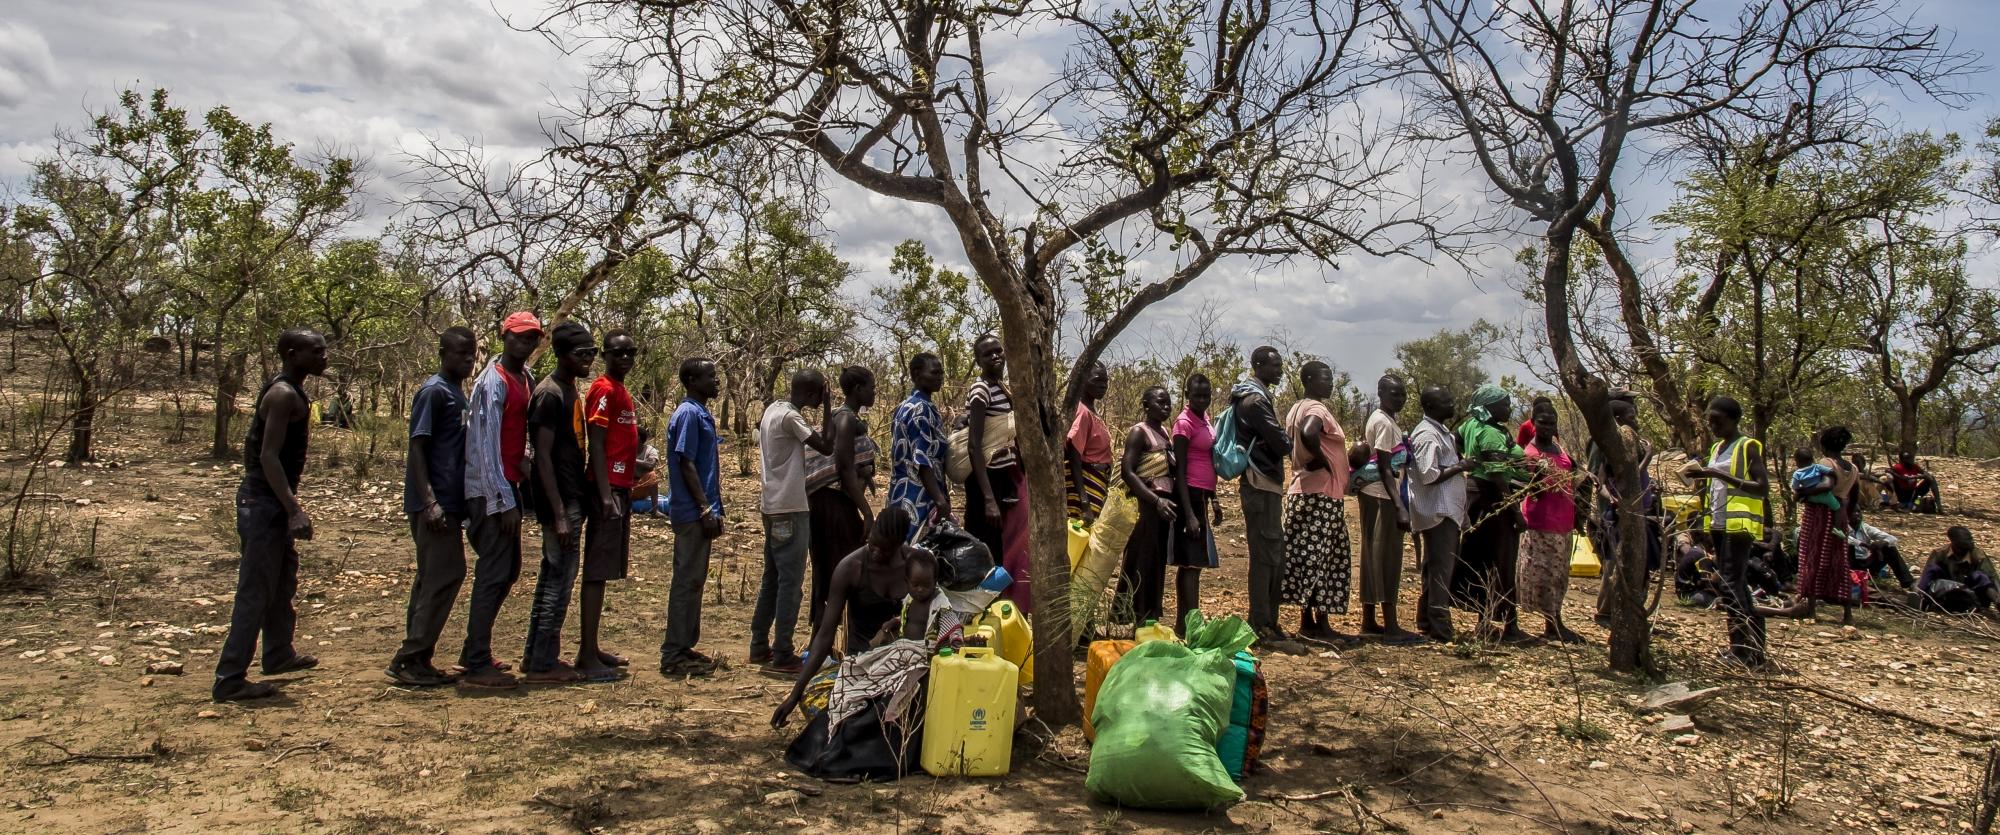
{"type": "Point", "coordinates": [1743, 511]}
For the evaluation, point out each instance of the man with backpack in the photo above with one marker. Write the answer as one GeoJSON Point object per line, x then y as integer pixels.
{"type": "Point", "coordinates": [1253, 426]}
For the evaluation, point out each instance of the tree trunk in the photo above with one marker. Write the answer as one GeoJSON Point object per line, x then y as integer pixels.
{"type": "Point", "coordinates": [1674, 409]}
{"type": "Point", "coordinates": [1631, 633]}
{"type": "Point", "coordinates": [1029, 336]}
{"type": "Point", "coordinates": [84, 422]}
{"type": "Point", "coordinates": [228, 382]}
{"type": "Point", "coordinates": [1906, 423]}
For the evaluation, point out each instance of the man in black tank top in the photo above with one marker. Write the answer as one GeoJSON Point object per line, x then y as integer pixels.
{"type": "Point", "coordinates": [269, 521]}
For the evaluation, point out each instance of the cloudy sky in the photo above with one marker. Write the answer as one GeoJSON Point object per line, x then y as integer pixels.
{"type": "Point", "coordinates": [376, 77]}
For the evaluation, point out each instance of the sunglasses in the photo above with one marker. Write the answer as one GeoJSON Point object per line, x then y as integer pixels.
{"type": "Point", "coordinates": [622, 352]}
{"type": "Point", "coordinates": [586, 353]}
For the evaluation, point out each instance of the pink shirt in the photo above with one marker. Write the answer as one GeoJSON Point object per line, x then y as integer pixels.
{"type": "Point", "coordinates": [1331, 481]}
{"type": "Point", "coordinates": [1554, 510]}
{"type": "Point", "coordinates": [1200, 461]}
{"type": "Point", "coordinates": [1090, 438]}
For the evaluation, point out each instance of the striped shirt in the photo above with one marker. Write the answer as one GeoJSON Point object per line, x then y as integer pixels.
{"type": "Point", "coordinates": [997, 403]}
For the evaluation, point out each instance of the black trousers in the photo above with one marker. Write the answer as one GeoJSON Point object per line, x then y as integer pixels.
{"type": "Point", "coordinates": [434, 591]}
{"type": "Point", "coordinates": [1746, 627]}
{"type": "Point", "coordinates": [267, 578]}
{"type": "Point", "coordinates": [493, 576]}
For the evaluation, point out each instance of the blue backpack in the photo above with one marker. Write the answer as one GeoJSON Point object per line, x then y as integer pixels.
{"type": "Point", "coordinates": [1231, 457]}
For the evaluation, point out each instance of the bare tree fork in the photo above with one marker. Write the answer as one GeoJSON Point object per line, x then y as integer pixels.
{"type": "Point", "coordinates": [1545, 99]}
{"type": "Point", "coordinates": [1177, 132]}
{"type": "Point", "coordinates": [153, 752]}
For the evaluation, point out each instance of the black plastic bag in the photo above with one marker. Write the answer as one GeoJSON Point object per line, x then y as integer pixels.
{"type": "Point", "coordinates": [962, 560]}
{"type": "Point", "coordinates": [864, 749]}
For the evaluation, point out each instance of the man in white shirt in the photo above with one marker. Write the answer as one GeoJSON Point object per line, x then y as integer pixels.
{"type": "Point", "coordinates": [1437, 508]}
{"type": "Point", "coordinates": [1381, 529]}
{"type": "Point", "coordinates": [782, 440]}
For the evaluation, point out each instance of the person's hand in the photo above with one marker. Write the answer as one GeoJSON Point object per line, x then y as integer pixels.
{"type": "Point", "coordinates": [564, 534]}
{"type": "Point", "coordinates": [711, 525]}
{"type": "Point", "coordinates": [1492, 456]}
{"type": "Point", "coordinates": [1693, 469]}
{"type": "Point", "coordinates": [992, 511]}
{"type": "Point", "coordinates": [1193, 525]}
{"type": "Point", "coordinates": [1217, 507]}
{"type": "Point", "coordinates": [610, 507]}
{"type": "Point", "coordinates": [300, 525]}
{"type": "Point", "coordinates": [434, 518]}
{"type": "Point", "coordinates": [784, 711]}
{"type": "Point", "coordinates": [888, 632]}
{"type": "Point", "coordinates": [1316, 464]}
{"type": "Point", "coordinates": [510, 521]}
{"type": "Point", "coordinates": [1166, 508]}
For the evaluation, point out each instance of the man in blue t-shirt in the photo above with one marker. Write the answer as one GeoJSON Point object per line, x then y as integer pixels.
{"type": "Point", "coordinates": [434, 498]}
{"type": "Point", "coordinates": [694, 505]}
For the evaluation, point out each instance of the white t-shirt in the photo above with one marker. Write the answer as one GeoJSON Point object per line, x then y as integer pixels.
{"type": "Point", "coordinates": [781, 445]}
{"type": "Point", "coordinates": [1382, 435]}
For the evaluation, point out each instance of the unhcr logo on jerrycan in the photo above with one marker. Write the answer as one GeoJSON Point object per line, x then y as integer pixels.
{"type": "Point", "coordinates": [978, 719]}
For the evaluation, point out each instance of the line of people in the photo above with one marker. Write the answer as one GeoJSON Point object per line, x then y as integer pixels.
{"type": "Point", "coordinates": [1493, 510]}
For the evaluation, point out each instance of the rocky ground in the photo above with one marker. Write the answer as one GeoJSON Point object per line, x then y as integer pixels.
{"type": "Point", "coordinates": [105, 723]}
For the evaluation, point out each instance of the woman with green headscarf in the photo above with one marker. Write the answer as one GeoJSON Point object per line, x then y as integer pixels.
{"type": "Point", "coordinates": [1484, 578]}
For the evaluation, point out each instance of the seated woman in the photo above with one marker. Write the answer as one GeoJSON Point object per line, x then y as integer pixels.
{"type": "Point", "coordinates": [868, 589]}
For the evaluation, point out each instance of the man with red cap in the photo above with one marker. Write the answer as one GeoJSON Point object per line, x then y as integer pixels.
{"type": "Point", "coordinates": [496, 442]}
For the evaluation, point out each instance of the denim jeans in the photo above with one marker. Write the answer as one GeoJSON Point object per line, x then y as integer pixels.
{"type": "Point", "coordinates": [493, 577]}
{"type": "Point", "coordinates": [552, 589]}
{"type": "Point", "coordinates": [787, 536]}
{"type": "Point", "coordinates": [267, 578]}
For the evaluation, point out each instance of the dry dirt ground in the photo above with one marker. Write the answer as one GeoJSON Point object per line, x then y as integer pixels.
{"type": "Point", "coordinates": [1432, 739]}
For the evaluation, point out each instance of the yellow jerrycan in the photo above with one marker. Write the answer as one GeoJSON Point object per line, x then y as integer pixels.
{"type": "Point", "coordinates": [1153, 631]}
{"type": "Point", "coordinates": [969, 714]}
{"type": "Point", "coordinates": [1016, 642]}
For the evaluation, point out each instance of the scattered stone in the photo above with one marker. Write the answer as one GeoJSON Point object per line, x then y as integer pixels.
{"type": "Point", "coordinates": [786, 797]}
{"type": "Point", "coordinates": [164, 668]}
{"type": "Point", "coordinates": [1688, 740]}
{"type": "Point", "coordinates": [1599, 765]}
{"type": "Point", "coordinates": [255, 745]}
{"type": "Point", "coordinates": [145, 681]}
{"type": "Point", "coordinates": [1676, 697]}
{"type": "Point", "coordinates": [107, 661]}
{"type": "Point", "coordinates": [1675, 723]}
{"type": "Point", "coordinates": [208, 714]}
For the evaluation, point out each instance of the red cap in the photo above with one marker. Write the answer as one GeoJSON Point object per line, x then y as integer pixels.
{"type": "Point", "coordinates": [522, 322]}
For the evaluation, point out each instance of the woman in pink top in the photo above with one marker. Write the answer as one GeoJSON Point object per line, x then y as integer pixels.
{"type": "Point", "coordinates": [1194, 486]}
{"type": "Point", "coordinates": [1541, 575]}
{"type": "Point", "coordinates": [1087, 452]}
{"type": "Point", "coordinates": [1318, 558]}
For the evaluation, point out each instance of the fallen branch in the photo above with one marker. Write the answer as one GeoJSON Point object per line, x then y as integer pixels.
{"type": "Point", "coordinates": [1858, 704]}
{"type": "Point", "coordinates": [309, 748]}
{"type": "Point", "coordinates": [153, 752]}
{"type": "Point", "coordinates": [1302, 798]}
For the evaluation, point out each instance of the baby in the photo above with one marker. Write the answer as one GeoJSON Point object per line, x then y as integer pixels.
{"type": "Point", "coordinates": [1813, 476]}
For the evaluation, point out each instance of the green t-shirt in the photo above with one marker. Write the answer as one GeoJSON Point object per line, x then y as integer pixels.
{"type": "Point", "coordinates": [1476, 437]}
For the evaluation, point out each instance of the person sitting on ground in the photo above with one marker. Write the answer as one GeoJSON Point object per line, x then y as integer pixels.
{"type": "Point", "coordinates": [1915, 488]}
{"type": "Point", "coordinates": [646, 484]}
{"type": "Point", "coordinates": [1874, 549]}
{"type": "Point", "coordinates": [1959, 578]}
{"type": "Point", "coordinates": [867, 591]}
{"type": "Point", "coordinates": [1697, 581]}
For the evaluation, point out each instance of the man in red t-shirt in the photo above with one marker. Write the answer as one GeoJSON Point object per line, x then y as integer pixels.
{"type": "Point", "coordinates": [613, 432]}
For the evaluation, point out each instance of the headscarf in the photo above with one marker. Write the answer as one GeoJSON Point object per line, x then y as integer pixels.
{"type": "Point", "coordinates": [1483, 401]}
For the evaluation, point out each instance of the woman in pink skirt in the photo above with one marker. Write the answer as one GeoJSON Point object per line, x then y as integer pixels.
{"type": "Point", "coordinates": [1541, 574]}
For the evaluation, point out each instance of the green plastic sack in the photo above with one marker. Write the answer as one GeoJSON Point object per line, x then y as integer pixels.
{"type": "Point", "coordinates": [1159, 713]}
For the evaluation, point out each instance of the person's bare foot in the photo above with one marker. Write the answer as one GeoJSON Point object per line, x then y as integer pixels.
{"type": "Point", "coordinates": [597, 672]}
{"type": "Point", "coordinates": [489, 677]}
{"type": "Point", "coordinates": [1369, 627]}
{"type": "Point", "coordinates": [1398, 637]}
{"type": "Point", "coordinates": [613, 659]}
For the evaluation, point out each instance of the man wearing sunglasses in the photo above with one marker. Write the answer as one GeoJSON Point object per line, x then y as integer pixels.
{"type": "Point", "coordinates": [614, 464]}
{"type": "Point", "coordinates": [555, 427]}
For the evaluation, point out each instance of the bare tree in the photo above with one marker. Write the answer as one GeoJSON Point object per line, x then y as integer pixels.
{"type": "Point", "coordinates": [1195, 131]}
{"type": "Point", "coordinates": [1547, 99]}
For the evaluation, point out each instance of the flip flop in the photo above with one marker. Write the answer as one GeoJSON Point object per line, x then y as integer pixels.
{"type": "Point", "coordinates": [601, 676]}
